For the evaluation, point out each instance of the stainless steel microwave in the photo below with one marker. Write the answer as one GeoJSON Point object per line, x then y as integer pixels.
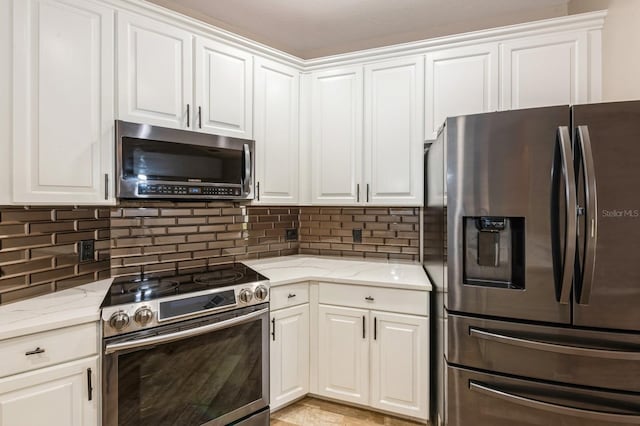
{"type": "Point", "coordinates": [160, 163]}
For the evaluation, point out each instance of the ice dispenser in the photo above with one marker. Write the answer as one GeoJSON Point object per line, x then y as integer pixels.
{"type": "Point", "coordinates": [494, 251]}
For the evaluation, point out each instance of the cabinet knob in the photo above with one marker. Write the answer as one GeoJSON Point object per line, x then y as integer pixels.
{"type": "Point", "coordinates": [369, 299]}
{"type": "Point", "coordinates": [291, 295]}
{"type": "Point", "coordinates": [36, 351]}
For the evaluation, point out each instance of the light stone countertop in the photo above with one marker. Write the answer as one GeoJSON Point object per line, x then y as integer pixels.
{"type": "Point", "coordinates": [64, 308]}
{"type": "Point", "coordinates": [292, 269]}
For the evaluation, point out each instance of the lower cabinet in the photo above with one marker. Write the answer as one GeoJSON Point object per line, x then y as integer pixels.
{"type": "Point", "coordinates": [289, 354]}
{"type": "Point", "coordinates": [61, 395]}
{"type": "Point", "coordinates": [374, 358]}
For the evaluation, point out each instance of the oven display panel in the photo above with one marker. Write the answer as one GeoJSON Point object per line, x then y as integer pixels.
{"type": "Point", "coordinates": [190, 305]}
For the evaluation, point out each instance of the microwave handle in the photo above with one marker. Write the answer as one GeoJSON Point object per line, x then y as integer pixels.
{"type": "Point", "coordinates": [247, 168]}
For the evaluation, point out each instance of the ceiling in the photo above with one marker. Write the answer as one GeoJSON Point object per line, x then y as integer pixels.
{"type": "Point", "coordinates": [314, 28]}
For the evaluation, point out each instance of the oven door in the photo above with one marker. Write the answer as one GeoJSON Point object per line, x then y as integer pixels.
{"type": "Point", "coordinates": [206, 371]}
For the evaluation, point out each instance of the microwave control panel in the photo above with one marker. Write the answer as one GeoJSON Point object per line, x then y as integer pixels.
{"type": "Point", "coordinates": [192, 190]}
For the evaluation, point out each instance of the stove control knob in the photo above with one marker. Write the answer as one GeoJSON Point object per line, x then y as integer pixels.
{"type": "Point", "coordinates": [261, 292]}
{"type": "Point", "coordinates": [119, 320]}
{"type": "Point", "coordinates": [246, 295]}
{"type": "Point", "coordinates": [143, 316]}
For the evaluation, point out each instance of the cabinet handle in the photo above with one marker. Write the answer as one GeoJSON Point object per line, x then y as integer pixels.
{"type": "Point", "coordinates": [200, 117]}
{"type": "Point", "coordinates": [273, 329]}
{"type": "Point", "coordinates": [106, 186]}
{"type": "Point", "coordinates": [258, 190]}
{"type": "Point", "coordinates": [357, 193]}
{"type": "Point", "coordinates": [36, 351]}
{"type": "Point", "coordinates": [375, 328]}
{"type": "Point", "coordinates": [367, 193]}
{"type": "Point", "coordinates": [291, 295]}
{"type": "Point", "coordinates": [89, 385]}
{"type": "Point", "coordinates": [364, 330]}
{"type": "Point", "coordinates": [369, 299]}
{"type": "Point", "coordinates": [188, 115]}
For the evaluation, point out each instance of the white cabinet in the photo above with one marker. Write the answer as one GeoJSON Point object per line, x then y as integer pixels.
{"type": "Point", "coordinates": [53, 396]}
{"type": "Point", "coordinates": [155, 82]}
{"type": "Point", "coordinates": [336, 136]}
{"type": "Point", "coordinates": [460, 81]}
{"type": "Point", "coordinates": [223, 89]}
{"type": "Point", "coordinates": [289, 354]}
{"type": "Point", "coordinates": [393, 131]}
{"type": "Point", "coordinates": [276, 96]}
{"type": "Point", "coordinates": [400, 364]}
{"type": "Point", "coordinates": [545, 70]}
{"type": "Point", "coordinates": [343, 359]}
{"type": "Point", "coordinates": [63, 85]}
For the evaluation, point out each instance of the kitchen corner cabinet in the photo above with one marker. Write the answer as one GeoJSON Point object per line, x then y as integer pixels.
{"type": "Point", "coordinates": [154, 72]}
{"type": "Point", "coordinates": [545, 70]}
{"type": "Point", "coordinates": [63, 107]}
{"type": "Point", "coordinates": [53, 396]}
{"type": "Point", "coordinates": [276, 125]}
{"type": "Point", "coordinates": [460, 81]}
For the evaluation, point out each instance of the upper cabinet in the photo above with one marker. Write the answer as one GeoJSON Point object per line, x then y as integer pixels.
{"type": "Point", "coordinates": [154, 72]}
{"type": "Point", "coordinates": [545, 70]}
{"type": "Point", "coordinates": [276, 118]}
{"type": "Point", "coordinates": [336, 136]}
{"type": "Point", "coordinates": [460, 81]}
{"type": "Point", "coordinates": [224, 89]}
{"type": "Point", "coordinates": [63, 84]}
{"type": "Point", "coordinates": [393, 131]}
{"type": "Point", "coordinates": [161, 81]}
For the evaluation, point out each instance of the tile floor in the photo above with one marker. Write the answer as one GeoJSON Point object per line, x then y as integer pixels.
{"type": "Point", "coordinates": [316, 412]}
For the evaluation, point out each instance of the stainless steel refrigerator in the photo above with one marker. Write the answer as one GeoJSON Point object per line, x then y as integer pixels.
{"type": "Point", "coordinates": [533, 217]}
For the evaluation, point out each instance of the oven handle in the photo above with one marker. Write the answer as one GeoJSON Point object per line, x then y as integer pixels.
{"type": "Point", "coordinates": [166, 338]}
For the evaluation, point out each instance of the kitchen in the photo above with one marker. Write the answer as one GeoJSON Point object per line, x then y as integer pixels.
{"type": "Point", "coordinates": [272, 204]}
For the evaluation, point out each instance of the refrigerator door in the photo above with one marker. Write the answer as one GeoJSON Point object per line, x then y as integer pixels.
{"type": "Point", "coordinates": [607, 146]}
{"type": "Point", "coordinates": [482, 399]}
{"type": "Point", "coordinates": [509, 176]}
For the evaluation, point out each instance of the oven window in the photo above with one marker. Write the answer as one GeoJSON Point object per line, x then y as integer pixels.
{"type": "Point", "coordinates": [191, 381]}
{"type": "Point", "coordinates": [157, 160]}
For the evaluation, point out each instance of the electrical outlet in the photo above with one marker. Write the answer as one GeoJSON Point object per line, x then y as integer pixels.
{"type": "Point", "coordinates": [291, 235]}
{"type": "Point", "coordinates": [86, 250]}
{"type": "Point", "coordinates": [357, 235]}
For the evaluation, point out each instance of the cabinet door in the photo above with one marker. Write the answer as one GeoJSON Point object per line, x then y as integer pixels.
{"type": "Point", "coordinates": [63, 113]}
{"type": "Point", "coordinates": [400, 364]}
{"type": "Point", "coordinates": [343, 358]}
{"type": "Point", "coordinates": [53, 396]}
{"type": "Point", "coordinates": [289, 354]}
{"type": "Point", "coordinates": [544, 71]}
{"type": "Point", "coordinates": [336, 136]}
{"type": "Point", "coordinates": [460, 81]}
{"type": "Point", "coordinates": [155, 83]}
{"type": "Point", "coordinates": [393, 132]}
{"type": "Point", "coordinates": [277, 96]}
{"type": "Point", "coordinates": [224, 90]}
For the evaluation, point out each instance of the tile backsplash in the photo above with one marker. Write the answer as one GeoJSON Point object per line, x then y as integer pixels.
{"type": "Point", "coordinates": [387, 232]}
{"type": "Point", "coordinates": [39, 249]}
{"type": "Point", "coordinates": [153, 237]}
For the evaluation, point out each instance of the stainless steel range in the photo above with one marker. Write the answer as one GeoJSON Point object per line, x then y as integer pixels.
{"type": "Point", "coordinates": [187, 349]}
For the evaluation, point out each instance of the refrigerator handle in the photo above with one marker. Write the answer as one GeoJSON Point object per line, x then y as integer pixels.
{"type": "Point", "coordinates": [591, 218]}
{"type": "Point", "coordinates": [600, 416]}
{"type": "Point", "coordinates": [568, 175]}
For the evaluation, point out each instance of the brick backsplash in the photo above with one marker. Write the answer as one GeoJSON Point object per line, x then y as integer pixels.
{"type": "Point", "coordinates": [387, 232]}
{"type": "Point", "coordinates": [39, 249]}
{"type": "Point", "coordinates": [159, 237]}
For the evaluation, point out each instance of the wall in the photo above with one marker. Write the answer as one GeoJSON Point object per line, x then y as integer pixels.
{"type": "Point", "coordinates": [387, 233]}
{"type": "Point", "coordinates": [39, 249]}
{"type": "Point", "coordinates": [155, 237]}
{"type": "Point", "coordinates": [620, 46]}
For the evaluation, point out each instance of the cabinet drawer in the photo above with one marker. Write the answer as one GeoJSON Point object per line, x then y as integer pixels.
{"type": "Point", "coordinates": [58, 346]}
{"type": "Point", "coordinates": [289, 295]}
{"type": "Point", "coordinates": [379, 298]}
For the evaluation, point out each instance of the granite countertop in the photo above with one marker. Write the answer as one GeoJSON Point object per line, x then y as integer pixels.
{"type": "Point", "coordinates": [73, 306]}
{"type": "Point", "coordinates": [292, 269]}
